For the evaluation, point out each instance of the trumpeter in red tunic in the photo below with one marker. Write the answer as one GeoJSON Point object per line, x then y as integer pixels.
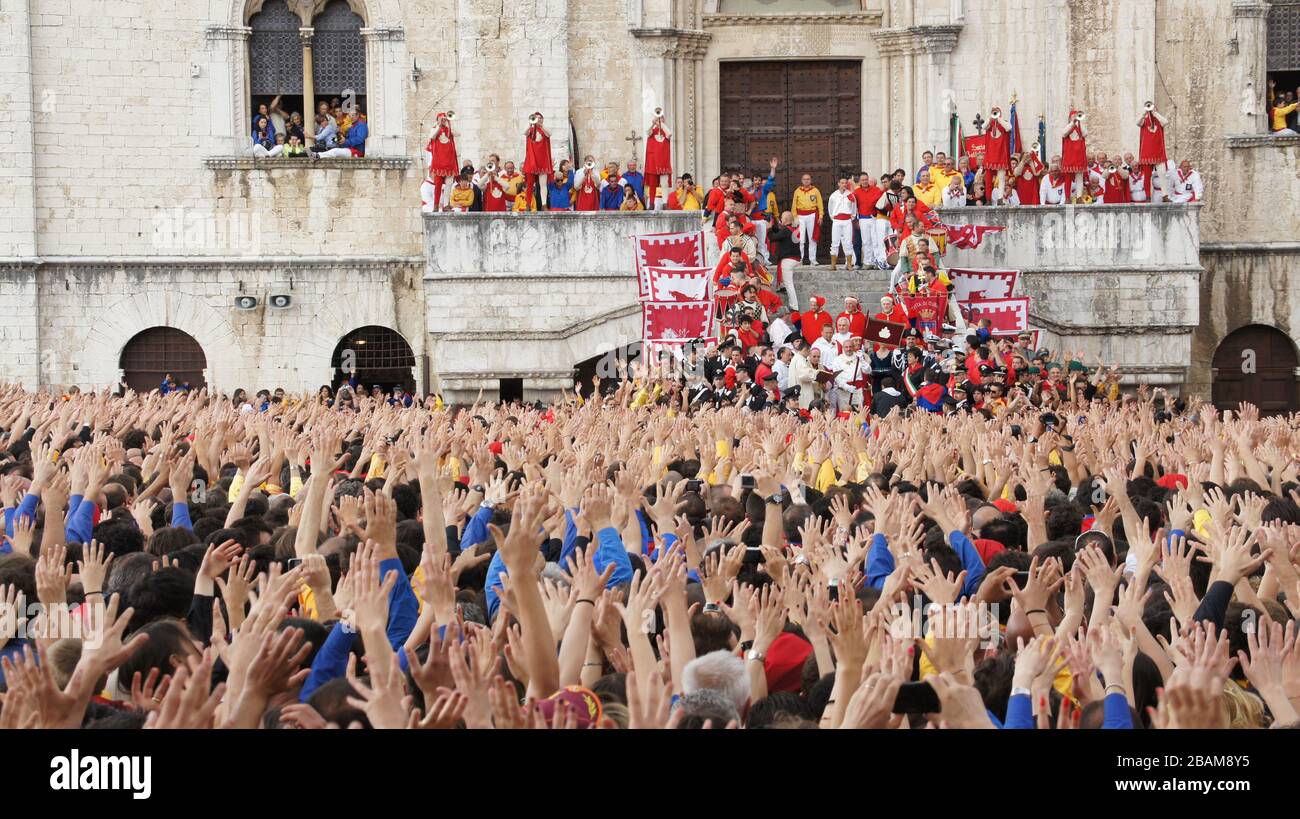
{"type": "Point", "coordinates": [1074, 145]}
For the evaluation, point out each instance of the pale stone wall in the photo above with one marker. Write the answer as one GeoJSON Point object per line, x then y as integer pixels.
{"type": "Point", "coordinates": [1243, 286]}
{"type": "Point", "coordinates": [88, 312]}
{"type": "Point", "coordinates": [1120, 282]}
{"type": "Point", "coordinates": [530, 296]}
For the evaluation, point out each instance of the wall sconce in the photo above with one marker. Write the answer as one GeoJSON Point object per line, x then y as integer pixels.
{"type": "Point", "coordinates": [416, 73]}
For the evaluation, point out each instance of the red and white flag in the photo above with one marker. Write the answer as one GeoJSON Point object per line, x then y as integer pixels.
{"type": "Point", "coordinates": [983, 284]}
{"type": "Point", "coordinates": [679, 283]}
{"type": "Point", "coordinates": [666, 250]}
{"type": "Point", "coordinates": [676, 321]}
{"type": "Point", "coordinates": [968, 237]}
{"type": "Point", "coordinates": [1008, 316]}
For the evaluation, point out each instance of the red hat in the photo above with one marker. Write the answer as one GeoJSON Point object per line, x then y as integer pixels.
{"type": "Point", "coordinates": [1006, 506]}
{"type": "Point", "coordinates": [439, 115]}
{"type": "Point", "coordinates": [1086, 524]}
{"type": "Point", "coordinates": [818, 301]}
{"type": "Point", "coordinates": [987, 548]}
{"type": "Point", "coordinates": [784, 663]}
{"type": "Point", "coordinates": [1173, 480]}
{"type": "Point", "coordinates": [495, 447]}
{"type": "Point", "coordinates": [583, 701]}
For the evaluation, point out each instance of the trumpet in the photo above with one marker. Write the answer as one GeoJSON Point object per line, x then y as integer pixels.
{"type": "Point", "coordinates": [590, 165]}
{"type": "Point", "coordinates": [1150, 106]}
{"type": "Point", "coordinates": [491, 167]}
{"type": "Point", "coordinates": [451, 116]}
{"type": "Point", "coordinates": [532, 120]}
{"type": "Point", "coordinates": [659, 112]}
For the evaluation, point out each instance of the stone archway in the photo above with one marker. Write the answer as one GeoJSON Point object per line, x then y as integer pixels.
{"type": "Point", "coordinates": [1256, 364]}
{"type": "Point", "coordinates": [121, 321]}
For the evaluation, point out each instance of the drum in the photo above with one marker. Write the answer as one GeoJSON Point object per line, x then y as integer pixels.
{"type": "Point", "coordinates": [892, 244]}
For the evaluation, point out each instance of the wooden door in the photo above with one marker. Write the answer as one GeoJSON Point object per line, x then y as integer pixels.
{"type": "Point", "coordinates": [1256, 364]}
{"type": "Point", "coordinates": [807, 113]}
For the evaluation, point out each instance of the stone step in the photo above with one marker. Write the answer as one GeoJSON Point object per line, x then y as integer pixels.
{"type": "Point", "coordinates": [868, 285]}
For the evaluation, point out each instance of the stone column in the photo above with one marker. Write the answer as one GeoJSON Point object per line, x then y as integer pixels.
{"type": "Point", "coordinates": [670, 67]}
{"type": "Point", "coordinates": [22, 106]}
{"type": "Point", "coordinates": [1248, 107]}
{"type": "Point", "coordinates": [386, 89]}
{"type": "Point", "coordinates": [935, 52]}
{"type": "Point", "coordinates": [308, 82]}
{"type": "Point", "coordinates": [227, 57]}
{"type": "Point", "coordinates": [916, 63]}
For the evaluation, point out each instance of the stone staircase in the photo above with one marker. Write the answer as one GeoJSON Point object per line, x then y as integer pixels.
{"type": "Point", "coordinates": [868, 285]}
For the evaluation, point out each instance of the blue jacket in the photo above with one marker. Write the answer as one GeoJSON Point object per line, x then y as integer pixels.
{"type": "Point", "coordinates": [357, 137]}
{"type": "Point", "coordinates": [637, 181]}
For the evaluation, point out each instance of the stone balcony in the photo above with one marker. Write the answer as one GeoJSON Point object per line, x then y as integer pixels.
{"type": "Point", "coordinates": [1119, 282]}
{"type": "Point", "coordinates": [529, 296]}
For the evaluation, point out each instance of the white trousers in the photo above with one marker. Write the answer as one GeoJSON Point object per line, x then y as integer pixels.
{"type": "Point", "coordinates": [261, 152]}
{"type": "Point", "coordinates": [346, 153]}
{"type": "Point", "coordinates": [842, 239]}
{"type": "Point", "coordinates": [874, 232]}
{"type": "Point", "coordinates": [787, 281]}
{"type": "Point", "coordinates": [807, 223]}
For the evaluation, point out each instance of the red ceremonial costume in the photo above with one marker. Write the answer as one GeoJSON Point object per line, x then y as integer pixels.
{"type": "Point", "coordinates": [537, 158]}
{"type": "Point", "coordinates": [586, 191]}
{"type": "Point", "coordinates": [1074, 148]}
{"type": "Point", "coordinates": [494, 196]}
{"type": "Point", "coordinates": [897, 316]}
{"type": "Point", "coordinates": [813, 321]}
{"type": "Point", "coordinates": [1117, 190]}
{"type": "Point", "coordinates": [1151, 148]}
{"type": "Point", "coordinates": [997, 147]}
{"type": "Point", "coordinates": [857, 322]}
{"type": "Point", "coordinates": [1027, 182]}
{"type": "Point", "coordinates": [442, 161]}
{"type": "Point", "coordinates": [658, 160]}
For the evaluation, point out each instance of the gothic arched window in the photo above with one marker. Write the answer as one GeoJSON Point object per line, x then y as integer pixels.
{"type": "Point", "coordinates": [339, 53]}
{"type": "Point", "coordinates": [274, 52]}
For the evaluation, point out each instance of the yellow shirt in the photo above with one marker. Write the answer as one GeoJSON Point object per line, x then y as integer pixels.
{"type": "Point", "coordinates": [512, 184]}
{"type": "Point", "coordinates": [688, 201]}
{"type": "Point", "coordinates": [462, 198]}
{"type": "Point", "coordinates": [810, 199]}
{"type": "Point", "coordinates": [522, 204]}
{"type": "Point", "coordinates": [941, 178]}
{"type": "Point", "coordinates": [1280, 114]}
{"type": "Point", "coordinates": [932, 196]}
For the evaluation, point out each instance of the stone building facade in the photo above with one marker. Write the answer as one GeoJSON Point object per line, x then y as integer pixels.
{"type": "Point", "coordinates": [132, 202]}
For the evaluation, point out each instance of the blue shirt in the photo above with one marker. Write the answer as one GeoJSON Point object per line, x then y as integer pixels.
{"type": "Point", "coordinates": [611, 198]}
{"type": "Point", "coordinates": [557, 196]}
{"type": "Point", "coordinates": [637, 181]}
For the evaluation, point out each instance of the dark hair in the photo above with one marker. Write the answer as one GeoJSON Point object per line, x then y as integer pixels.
{"type": "Point", "coordinates": [119, 536]}
{"type": "Point", "coordinates": [166, 592]}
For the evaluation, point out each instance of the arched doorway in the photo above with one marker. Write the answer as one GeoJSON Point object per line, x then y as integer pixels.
{"type": "Point", "coordinates": [1256, 364]}
{"type": "Point", "coordinates": [152, 354]}
{"type": "Point", "coordinates": [374, 356]}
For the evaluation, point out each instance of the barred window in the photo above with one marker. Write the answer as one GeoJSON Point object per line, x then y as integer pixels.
{"type": "Point", "coordinates": [338, 51]}
{"type": "Point", "coordinates": [275, 51]}
{"type": "Point", "coordinates": [1284, 35]}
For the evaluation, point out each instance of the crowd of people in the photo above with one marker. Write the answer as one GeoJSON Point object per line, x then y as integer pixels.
{"type": "Point", "coordinates": [1283, 110]}
{"type": "Point", "coordinates": [627, 559]}
{"type": "Point", "coordinates": [335, 132]}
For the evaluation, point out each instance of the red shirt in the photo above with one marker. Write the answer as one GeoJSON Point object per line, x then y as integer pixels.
{"type": "Point", "coordinates": [867, 198]}
{"type": "Point", "coordinates": [812, 323]}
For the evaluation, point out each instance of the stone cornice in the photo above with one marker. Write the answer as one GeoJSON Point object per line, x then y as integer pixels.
{"type": "Point", "coordinates": [1249, 8]}
{"type": "Point", "coordinates": [389, 33]}
{"type": "Point", "coordinates": [1261, 141]}
{"type": "Point", "coordinates": [933, 39]}
{"type": "Point", "coordinates": [365, 163]}
{"type": "Point", "coordinates": [848, 18]}
{"type": "Point", "coordinates": [672, 42]}
{"type": "Point", "coordinates": [227, 32]}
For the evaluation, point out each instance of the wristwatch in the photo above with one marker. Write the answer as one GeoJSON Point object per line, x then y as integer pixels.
{"type": "Point", "coordinates": [1025, 691]}
{"type": "Point", "coordinates": [479, 488]}
{"type": "Point", "coordinates": [776, 499]}
{"type": "Point", "coordinates": [757, 656]}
